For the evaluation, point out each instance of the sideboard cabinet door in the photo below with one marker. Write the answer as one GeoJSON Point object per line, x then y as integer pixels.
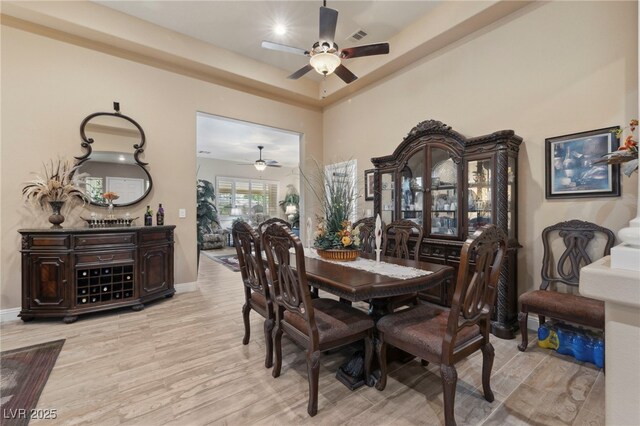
{"type": "Point", "coordinates": [155, 269]}
{"type": "Point", "coordinates": [48, 281]}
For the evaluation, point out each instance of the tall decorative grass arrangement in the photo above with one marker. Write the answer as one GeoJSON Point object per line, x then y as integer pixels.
{"type": "Point", "coordinates": [337, 194]}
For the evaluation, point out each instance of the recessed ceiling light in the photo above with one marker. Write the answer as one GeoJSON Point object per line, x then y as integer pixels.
{"type": "Point", "coordinates": [280, 29]}
{"type": "Point", "coordinates": [121, 158]}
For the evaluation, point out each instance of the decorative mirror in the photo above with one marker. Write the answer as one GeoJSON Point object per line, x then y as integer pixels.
{"type": "Point", "coordinates": [114, 167]}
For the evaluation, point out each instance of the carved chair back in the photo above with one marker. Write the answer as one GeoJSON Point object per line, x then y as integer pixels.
{"type": "Point", "coordinates": [290, 288]}
{"type": "Point", "coordinates": [367, 234]}
{"type": "Point", "coordinates": [402, 239]}
{"type": "Point", "coordinates": [248, 249]}
{"type": "Point", "coordinates": [263, 225]}
{"type": "Point", "coordinates": [577, 238]}
{"type": "Point", "coordinates": [475, 291]}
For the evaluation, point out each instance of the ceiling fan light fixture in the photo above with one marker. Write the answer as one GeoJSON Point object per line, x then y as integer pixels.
{"type": "Point", "coordinates": [260, 165]}
{"type": "Point", "coordinates": [325, 63]}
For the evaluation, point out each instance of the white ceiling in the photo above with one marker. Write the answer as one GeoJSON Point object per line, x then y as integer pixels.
{"type": "Point", "coordinates": [233, 140]}
{"type": "Point", "coordinates": [240, 26]}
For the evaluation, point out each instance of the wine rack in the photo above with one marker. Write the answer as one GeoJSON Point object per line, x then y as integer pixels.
{"type": "Point", "coordinates": [104, 284]}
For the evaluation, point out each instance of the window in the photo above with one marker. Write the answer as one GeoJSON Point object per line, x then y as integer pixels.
{"type": "Point", "coordinates": [246, 196]}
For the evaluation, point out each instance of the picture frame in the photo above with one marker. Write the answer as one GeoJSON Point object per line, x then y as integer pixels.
{"type": "Point", "coordinates": [569, 168]}
{"type": "Point", "coordinates": [368, 184]}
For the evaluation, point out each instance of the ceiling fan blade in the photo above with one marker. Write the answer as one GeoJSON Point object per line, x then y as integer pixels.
{"type": "Point", "coordinates": [346, 75]}
{"type": "Point", "coordinates": [274, 165]}
{"type": "Point", "coordinates": [328, 22]}
{"type": "Point", "coordinates": [302, 71]}
{"type": "Point", "coordinates": [284, 48]}
{"type": "Point", "coordinates": [367, 50]}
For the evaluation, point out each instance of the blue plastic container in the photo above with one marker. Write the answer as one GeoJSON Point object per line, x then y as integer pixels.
{"type": "Point", "coordinates": [581, 344]}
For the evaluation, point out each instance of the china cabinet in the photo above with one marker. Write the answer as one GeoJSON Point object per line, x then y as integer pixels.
{"type": "Point", "coordinates": [71, 272]}
{"type": "Point", "coordinates": [452, 185]}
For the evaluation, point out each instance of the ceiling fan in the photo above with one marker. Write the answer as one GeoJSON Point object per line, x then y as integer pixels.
{"type": "Point", "coordinates": [261, 164]}
{"type": "Point", "coordinates": [325, 56]}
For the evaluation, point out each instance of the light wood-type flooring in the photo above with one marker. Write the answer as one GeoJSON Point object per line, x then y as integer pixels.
{"type": "Point", "coordinates": [181, 362]}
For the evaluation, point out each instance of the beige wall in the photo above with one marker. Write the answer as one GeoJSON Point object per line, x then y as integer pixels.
{"type": "Point", "coordinates": [548, 70]}
{"type": "Point", "coordinates": [48, 87]}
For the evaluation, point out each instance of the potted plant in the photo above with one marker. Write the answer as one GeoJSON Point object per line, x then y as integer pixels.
{"type": "Point", "coordinates": [54, 187]}
{"type": "Point", "coordinates": [335, 239]}
{"type": "Point", "coordinates": [291, 206]}
{"type": "Point", "coordinates": [206, 212]}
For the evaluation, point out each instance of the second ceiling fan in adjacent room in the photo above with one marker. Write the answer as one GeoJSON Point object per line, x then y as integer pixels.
{"type": "Point", "coordinates": [325, 56]}
{"type": "Point", "coordinates": [261, 164]}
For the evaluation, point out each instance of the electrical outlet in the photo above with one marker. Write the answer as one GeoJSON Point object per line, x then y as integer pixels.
{"type": "Point", "coordinates": [182, 213]}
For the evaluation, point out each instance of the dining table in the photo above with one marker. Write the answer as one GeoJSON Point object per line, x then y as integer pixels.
{"type": "Point", "coordinates": [374, 286]}
{"type": "Point", "coordinates": [352, 284]}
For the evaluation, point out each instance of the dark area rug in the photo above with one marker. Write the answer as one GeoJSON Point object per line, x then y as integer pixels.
{"type": "Point", "coordinates": [24, 372]}
{"type": "Point", "coordinates": [230, 260]}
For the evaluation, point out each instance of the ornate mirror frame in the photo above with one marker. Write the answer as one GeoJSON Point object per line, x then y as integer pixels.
{"type": "Point", "coordinates": [87, 144]}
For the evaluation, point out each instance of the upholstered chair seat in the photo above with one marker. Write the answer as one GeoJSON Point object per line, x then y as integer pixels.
{"type": "Point", "coordinates": [423, 328]}
{"type": "Point", "coordinates": [335, 320]}
{"type": "Point", "coordinates": [589, 311]}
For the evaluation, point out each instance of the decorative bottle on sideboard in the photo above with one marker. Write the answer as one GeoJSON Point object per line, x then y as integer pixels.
{"type": "Point", "coordinates": [148, 217]}
{"type": "Point", "coordinates": [160, 215]}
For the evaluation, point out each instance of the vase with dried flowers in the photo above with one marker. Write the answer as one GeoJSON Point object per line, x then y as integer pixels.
{"type": "Point", "coordinates": [110, 196]}
{"type": "Point", "coordinates": [625, 256]}
{"type": "Point", "coordinates": [54, 187]}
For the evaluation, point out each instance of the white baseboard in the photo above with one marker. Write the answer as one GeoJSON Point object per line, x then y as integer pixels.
{"type": "Point", "coordinates": [7, 315]}
{"type": "Point", "coordinates": [186, 287]}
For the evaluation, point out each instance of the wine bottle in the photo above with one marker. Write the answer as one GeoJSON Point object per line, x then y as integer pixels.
{"type": "Point", "coordinates": [148, 217]}
{"type": "Point", "coordinates": [160, 216]}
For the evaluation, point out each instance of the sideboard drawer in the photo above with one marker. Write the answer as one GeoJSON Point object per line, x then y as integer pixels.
{"type": "Point", "coordinates": [87, 241]}
{"type": "Point", "coordinates": [106, 257]}
{"type": "Point", "coordinates": [44, 241]}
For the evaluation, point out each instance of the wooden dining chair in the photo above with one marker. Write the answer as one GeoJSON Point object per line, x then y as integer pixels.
{"type": "Point", "coordinates": [576, 248]}
{"type": "Point", "coordinates": [316, 324]}
{"type": "Point", "coordinates": [402, 239]}
{"type": "Point", "coordinates": [263, 225]}
{"type": "Point", "coordinates": [446, 336]}
{"type": "Point", "coordinates": [256, 290]}
{"type": "Point", "coordinates": [367, 234]}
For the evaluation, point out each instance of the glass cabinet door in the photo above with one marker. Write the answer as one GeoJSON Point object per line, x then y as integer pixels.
{"type": "Point", "coordinates": [444, 193]}
{"type": "Point", "coordinates": [479, 197]}
{"type": "Point", "coordinates": [387, 196]}
{"type": "Point", "coordinates": [411, 187]}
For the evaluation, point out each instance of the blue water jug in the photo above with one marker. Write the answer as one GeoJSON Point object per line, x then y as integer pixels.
{"type": "Point", "coordinates": [567, 340]}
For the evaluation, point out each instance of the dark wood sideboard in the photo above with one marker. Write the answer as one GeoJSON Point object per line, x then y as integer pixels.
{"type": "Point", "coordinates": [76, 271]}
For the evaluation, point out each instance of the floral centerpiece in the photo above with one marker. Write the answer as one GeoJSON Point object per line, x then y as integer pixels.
{"type": "Point", "coordinates": [627, 153]}
{"type": "Point", "coordinates": [337, 193]}
{"type": "Point", "coordinates": [54, 187]}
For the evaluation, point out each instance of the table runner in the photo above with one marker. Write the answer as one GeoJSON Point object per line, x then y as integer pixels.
{"type": "Point", "coordinates": [389, 269]}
